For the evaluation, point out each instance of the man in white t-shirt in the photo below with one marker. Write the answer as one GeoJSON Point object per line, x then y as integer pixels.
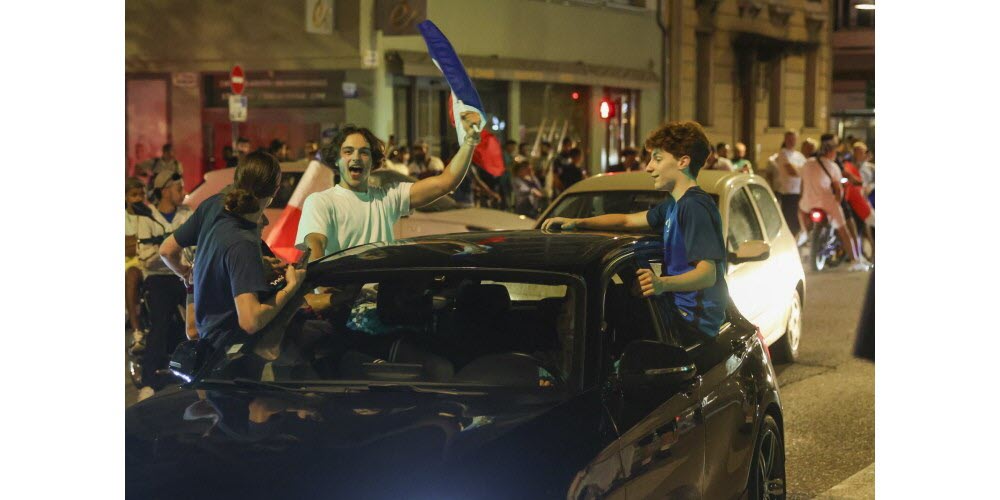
{"type": "Point", "coordinates": [789, 163]}
{"type": "Point", "coordinates": [355, 213]}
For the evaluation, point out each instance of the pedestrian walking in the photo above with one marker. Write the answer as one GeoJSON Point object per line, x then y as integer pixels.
{"type": "Point", "coordinates": [789, 163]}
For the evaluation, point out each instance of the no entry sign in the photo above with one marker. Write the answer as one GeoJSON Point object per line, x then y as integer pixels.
{"type": "Point", "coordinates": [237, 80]}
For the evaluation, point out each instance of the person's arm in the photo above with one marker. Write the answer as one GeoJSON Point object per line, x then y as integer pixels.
{"type": "Point", "coordinates": [170, 254]}
{"type": "Point", "coordinates": [787, 166]}
{"type": "Point", "coordinates": [607, 222]}
{"type": "Point", "coordinates": [703, 247]}
{"type": "Point", "coordinates": [427, 190]}
{"type": "Point", "coordinates": [699, 278]}
{"type": "Point", "coordinates": [315, 223]}
{"type": "Point", "coordinates": [254, 315]}
{"type": "Point", "coordinates": [131, 245]}
{"type": "Point", "coordinates": [317, 245]}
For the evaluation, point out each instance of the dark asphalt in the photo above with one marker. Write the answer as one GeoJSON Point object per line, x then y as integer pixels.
{"type": "Point", "coordinates": [828, 396]}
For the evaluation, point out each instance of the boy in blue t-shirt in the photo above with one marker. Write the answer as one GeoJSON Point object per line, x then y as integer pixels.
{"type": "Point", "coordinates": [694, 254]}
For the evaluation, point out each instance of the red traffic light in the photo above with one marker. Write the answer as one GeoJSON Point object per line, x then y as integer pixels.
{"type": "Point", "coordinates": [575, 96]}
{"type": "Point", "coordinates": [607, 109]}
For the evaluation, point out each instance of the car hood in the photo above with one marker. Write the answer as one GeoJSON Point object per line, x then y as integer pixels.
{"type": "Point", "coordinates": [479, 219]}
{"type": "Point", "coordinates": [251, 444]}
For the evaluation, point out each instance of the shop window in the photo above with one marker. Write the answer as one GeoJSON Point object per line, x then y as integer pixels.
{"type": "Point", "coordinates": [809, 115]}
{"type": "Point", "coordinates": [776, 106]}
{"type": "Point", "coordinates": [703, 86]}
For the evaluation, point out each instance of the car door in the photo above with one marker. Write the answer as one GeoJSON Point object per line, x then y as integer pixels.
{"type": "Point", "coordinates": [750, 286]}
{"type": "Point", "coordinates": [727, 405]}
{"type": "Point", "coordinates": [662, 439]}
{"type": "Point", "coordinates": [784, 265]}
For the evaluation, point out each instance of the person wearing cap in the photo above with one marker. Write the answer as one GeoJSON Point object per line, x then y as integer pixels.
{"type": "Point", "coordinates": [166, 292]}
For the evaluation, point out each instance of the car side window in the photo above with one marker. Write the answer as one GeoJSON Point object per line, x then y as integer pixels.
{"type": "Point", "coordinates": [743, 224]}
{"type": "Point", "coordinates": [627, 315]}
{"type": "Point", "coordinates": [768, 209]}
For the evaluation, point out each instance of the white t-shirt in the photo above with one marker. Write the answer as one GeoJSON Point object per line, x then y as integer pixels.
{"type": "Point", "coordinates": [788, 184]}
{"type": "Point", "coordinates": [816, 191]}
{"type": "Point", "coordinates": [146, 228]}
{"type": "Point", "coordinates": [349, 219]}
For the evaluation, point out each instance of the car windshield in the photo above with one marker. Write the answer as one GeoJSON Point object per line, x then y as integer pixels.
{"type": "Point", "coordinates": [581, 205]}
{"type": "Point", "coordinates": [430, 329]}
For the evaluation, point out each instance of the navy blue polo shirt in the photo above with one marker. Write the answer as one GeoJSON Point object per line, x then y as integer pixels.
{"type": "Point", "coordinates": [692, 232]}
{"type": "Point", "coordinates": [229, 264]}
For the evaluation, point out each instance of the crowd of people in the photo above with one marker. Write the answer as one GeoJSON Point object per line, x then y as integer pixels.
{"type": "Point", "coordinates": [228, 275]}
{"type": "Point", "coordinates": [832, 176]}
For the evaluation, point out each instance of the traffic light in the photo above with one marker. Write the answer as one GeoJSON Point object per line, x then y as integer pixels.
{"type": "Point", "coordinates": [575, 95]}
{"type": "Point", "coordinates": [607, 109]}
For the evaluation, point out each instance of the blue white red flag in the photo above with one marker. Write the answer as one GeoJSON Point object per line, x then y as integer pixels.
{"type": "Point", "coordinates": [463, 94]}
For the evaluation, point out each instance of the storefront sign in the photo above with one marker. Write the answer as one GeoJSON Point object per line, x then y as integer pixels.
{"type": "Point", "coordinates": [280, 89]}
{"type": "Point", "coordinates": [319, 17]}
{"type": "Point", "coordinates": [185, 80]}
{"type": "Point", "coordinates": [399, 17]}
{"type": "Point", "coordinates": [238, 108]}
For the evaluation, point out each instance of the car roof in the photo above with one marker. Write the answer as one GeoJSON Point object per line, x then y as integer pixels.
{"type": "Point", "coordinates": [711, 181]}
{"type": "Point", "coordinates": [570, 252]}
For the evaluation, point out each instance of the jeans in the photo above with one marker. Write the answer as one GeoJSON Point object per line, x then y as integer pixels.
{"type": "Point", "coordinates": [166, 296]}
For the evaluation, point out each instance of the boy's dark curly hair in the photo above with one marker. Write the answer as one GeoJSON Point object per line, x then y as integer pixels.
{"type": "Point", "coordinates": [330, 153]}
{"type": "Point", "coordinates": [681, 139]}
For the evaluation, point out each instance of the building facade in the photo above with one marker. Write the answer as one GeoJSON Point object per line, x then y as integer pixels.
{"type": "Point", "coordinates": [746, 69]}
{"type": "Point", "coordinates": [853, 94]}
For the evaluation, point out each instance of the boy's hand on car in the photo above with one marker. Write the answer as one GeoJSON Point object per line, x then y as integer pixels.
{"type": "Point", "coordinates": [564, 223]}
{"type": "Point", "coordinates": [649, 283]}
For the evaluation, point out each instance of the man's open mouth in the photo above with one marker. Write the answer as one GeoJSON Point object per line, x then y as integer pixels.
{"type": "Point", "coordinates": [355, 169]}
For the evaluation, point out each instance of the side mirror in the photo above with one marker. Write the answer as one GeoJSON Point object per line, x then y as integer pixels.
{"type": "Point", "coordinates": [184, 361]}
{"type": "Point", "coordinates": [648, 365]}
{"type": "Point", "coordinates": [750, 251]}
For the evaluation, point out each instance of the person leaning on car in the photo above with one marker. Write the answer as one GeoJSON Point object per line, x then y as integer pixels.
{"type": "Point", "coordinates": [232, 287]}
{"type": "Point", "coordinates": [693, 249]}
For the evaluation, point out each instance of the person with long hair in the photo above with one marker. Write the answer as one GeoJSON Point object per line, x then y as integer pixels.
{"type": "Point", "coordinates": [232, 291]}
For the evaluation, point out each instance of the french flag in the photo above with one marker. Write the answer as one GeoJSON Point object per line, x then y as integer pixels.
{"type": "Point", "coordinates": [281, 238]}
{"type": "Point", "coordinates": [464, 97]}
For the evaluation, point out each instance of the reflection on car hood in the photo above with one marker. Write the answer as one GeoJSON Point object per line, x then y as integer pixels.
{"type": "Point", "coordinates": [479, 219]}
{"type": "Point", "coordinates": [251, 444]}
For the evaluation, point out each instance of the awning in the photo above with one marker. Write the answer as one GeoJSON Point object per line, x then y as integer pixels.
{"type": "Point", "coordinates": [531, 70]}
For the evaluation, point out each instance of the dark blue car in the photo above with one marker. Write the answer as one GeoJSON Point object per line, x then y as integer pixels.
{"type": "Point", "coordinates": [478, 365]}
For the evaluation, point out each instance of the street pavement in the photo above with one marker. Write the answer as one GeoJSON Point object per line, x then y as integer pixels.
{"type": "Point", "coordinates": [828, 396]}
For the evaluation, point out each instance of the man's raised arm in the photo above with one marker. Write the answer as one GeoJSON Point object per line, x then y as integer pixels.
{"type": "Point", "coordinates": [427, 190]}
